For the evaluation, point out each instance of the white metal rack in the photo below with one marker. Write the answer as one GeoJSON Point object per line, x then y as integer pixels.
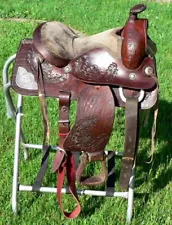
{"type": "Point", "coordinates": [16, 114]}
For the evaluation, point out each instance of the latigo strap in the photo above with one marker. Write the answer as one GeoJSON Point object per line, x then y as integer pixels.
{"type": "Point", "coordinates": [68, 168]}
{"type": "Point", "coordinates": [131, 139]}
{"type": "Point", "coordinates": [64, 160]}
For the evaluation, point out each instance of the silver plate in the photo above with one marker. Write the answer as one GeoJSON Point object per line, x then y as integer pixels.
{"type": "Point", "coordinates": [25, 80]}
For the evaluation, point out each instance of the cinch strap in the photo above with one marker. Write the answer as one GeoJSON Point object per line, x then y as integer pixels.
{"type": "Point", "coordinates": [131, 141]}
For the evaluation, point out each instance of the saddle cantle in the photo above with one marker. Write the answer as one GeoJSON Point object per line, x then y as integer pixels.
{"type": "Point", "coordinates": [113, 68]}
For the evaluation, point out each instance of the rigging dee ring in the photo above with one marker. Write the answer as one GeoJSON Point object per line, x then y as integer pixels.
{"type": "Point", "coordinates": [140, 98]}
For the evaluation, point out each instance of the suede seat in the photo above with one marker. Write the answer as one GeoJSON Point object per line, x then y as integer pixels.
{"type": "Point", "coordinates": [67, 43]}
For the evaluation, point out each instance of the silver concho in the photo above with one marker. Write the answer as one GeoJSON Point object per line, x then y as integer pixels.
{"type": "Point", "coordinates": [132, 76]}
{"type": "Point", "coordinates": [149, 71]}
{"type": "Point", "coordinates": [67, 69]}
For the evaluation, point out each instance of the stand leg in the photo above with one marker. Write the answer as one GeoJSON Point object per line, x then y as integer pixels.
{"type": "Point", "coordinates": [16, 154]}
{"type": "Point", "coordinates": [130, 196]}
{"type": "Point", "coordinates": [10, 109]}
{"type": "Point", "coordinates": [6, 85]}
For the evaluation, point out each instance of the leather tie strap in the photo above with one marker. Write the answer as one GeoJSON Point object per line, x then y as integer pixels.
{"type": "Point", "coordinates": [131, 139]}
{"type": "Point", "coordinates": [46, 139]}
{"type": "Point", "coordinates": [41, 92]}
{"type": "Point", "coordinates": [92, 180]}
{"type": "Point", "coordinates": [68, 167]}
{"type": "Point", "coordinates": [64, 127]}
{"type": "Point", "coordinates": [64, 160]}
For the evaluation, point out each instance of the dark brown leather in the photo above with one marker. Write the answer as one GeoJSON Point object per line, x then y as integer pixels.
{"type": "Point", "coordinates": [64, 108]}
{"type": "Point", "coordinates": [94, 120]}
{"type": "Point", "coordinates": [92, 130]}
{"type": "Point", "coordinates": [46, 138]}
{"type": "Point", "coordinates": [41, 93]}
{"type": "Point", "coordinates": [24, 79]}
{"type": "Point", "coordinates": [131, 140]}
{"type": "Point", "coordinates": [63, 163]}
{"type": "Point", "coordinates": [90, 69]}
{"type": "Point", "coordinates": [55, 79]}
{"type": "Point", "coordinates": [64, 127]}
{"type": "Point", "coordinates": [92, 180]}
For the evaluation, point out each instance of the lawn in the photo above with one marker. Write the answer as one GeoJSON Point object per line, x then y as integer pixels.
{"type": "Point", "coordinates": [152, 204]}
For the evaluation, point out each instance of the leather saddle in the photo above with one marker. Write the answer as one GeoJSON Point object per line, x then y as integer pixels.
{"type": "Point", "coordinates": [114, 68]}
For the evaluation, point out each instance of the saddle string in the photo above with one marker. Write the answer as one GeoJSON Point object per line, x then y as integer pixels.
{"type": "Point", "coordinates": [154, 126]}
{"type": "Point", "coordinates": [66, 165]}
{"type": "Point", "coordinates": [64, 160]}
{"type": "Point", "coordinates": [46, 138]}
{"type": "Point", "coordinates": [153, 134]}
{"type": "Point", "coordinates": [44, 110]}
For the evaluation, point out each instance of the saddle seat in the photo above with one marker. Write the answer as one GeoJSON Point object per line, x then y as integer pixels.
{"type": "Point", "coordinates": [60, 44]}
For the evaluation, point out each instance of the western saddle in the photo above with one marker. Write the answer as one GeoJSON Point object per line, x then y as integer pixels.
{"type": "Point", "coordinates": [114, 68]}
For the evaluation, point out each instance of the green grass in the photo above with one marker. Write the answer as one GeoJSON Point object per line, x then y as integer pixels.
{"type": "Point", "coordinates": [152, 204]}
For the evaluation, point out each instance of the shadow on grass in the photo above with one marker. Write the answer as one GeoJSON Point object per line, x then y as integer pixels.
{"type": "Point", "coordinates": [159, 168]}
{"type": "Point", "coordinates": [91, 205]}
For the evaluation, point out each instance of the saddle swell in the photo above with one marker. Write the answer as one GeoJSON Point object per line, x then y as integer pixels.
{"type": "Point", "coordinates": [90, 69]}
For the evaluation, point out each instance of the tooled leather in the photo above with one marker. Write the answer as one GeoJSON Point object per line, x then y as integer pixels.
{"type": "Point", "coordinates": [94, 120]}
{"type": "Point", "coordinates": [86, 69]}
{"type": "Point", "coordinates": [51, 74]}
{"type": "Point", "coordinates": [134, 43]}
{"type": "Point", "coordinates": [72, 84]}
{"type": "Point", "coordinates": [90, 69]}
{"type": "Point", "coordinates": [96, 104]}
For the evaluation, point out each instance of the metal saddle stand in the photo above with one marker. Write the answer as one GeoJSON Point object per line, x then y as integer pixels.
{"type": "Point", "coordinates": [16, 113]}
{"type": "Point", "coordinates": [39, 72]}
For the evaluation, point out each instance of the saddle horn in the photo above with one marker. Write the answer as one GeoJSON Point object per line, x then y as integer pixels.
{"type": "Point", "coordinates": [134, 38]}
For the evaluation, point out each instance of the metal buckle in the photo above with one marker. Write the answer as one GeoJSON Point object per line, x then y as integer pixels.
{"type": "Point", "coordinates": [63, 121]}
{"type": "Point", "coordinates": [140, 97]}
{"type": "Point", "coordinates": [61, 149]}
{"type": "Point", "coordinates": [91, 154]}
